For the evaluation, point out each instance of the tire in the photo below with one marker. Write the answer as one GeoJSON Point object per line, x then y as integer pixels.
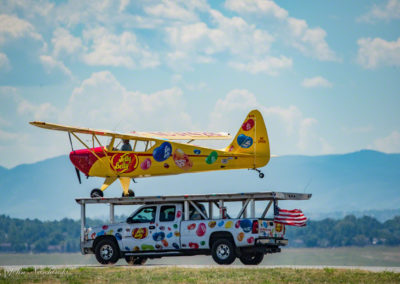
{"type": "Point", "coordinates": [130, 193]}
{"type": "Point", "coordinates": [223, 251]}
{"type": "Point", "coordinates": [261, 175]}
{"type": "Point", "coordinates": [252, 258]}
{"type": "Point", "coordinates": [107, 251]}
{"type": "Point", "coordinates": [96, 193]}
{"type": "Point", "coordinates": [135, 260]}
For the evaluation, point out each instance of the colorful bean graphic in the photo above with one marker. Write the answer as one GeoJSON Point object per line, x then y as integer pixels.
{"type": "Point", "coordinates": [201, 230]}
{"type": "Point", "coordinates": [178, 214]}
{"type": "Point", "coordinates": [212, 224]}
{"type": "Point", "coordinates": [105, 227]}
{"type": "Point", "coordinates": [220, 223]}
{"type": "Point", "coordinates": [240, 236]}
{"type": "Point", "coordinates": [177, 234]}
{"type": "Point", "coordinates": [228, 224]}
{"type": "Point", "coordinates": [245, 225]}
{"type": "Point", "coordinates": [194, 245]}
{"type": "Point", "coordinates": [169, 235]}
{"type": "Point", "coordinates": [250, 240]}
{"type": "Point", "coordinates": [175, 245]}
{"type": "Point", "coordinates": [162, 152]}
{"type": "Point", "coordinates": [158, 236]}
{"type": "Point", "coordinates": [118, 236]}
{"type": "Point", "coordinates": [146, 164]}
{"type": "Point", "coordinates": [136, 248]}
{"type": "Point", "coordinates": [244, 141]}
{"type": "Point", "coordinates": [165, 243]}
{"type": "Point", "coordinates": [237, 224]}
{"type": "Point", "coordinates": [191, 226]}
{"type": "Point", "coordinates": [248, 125]}
{"type": "Point", "coordinates": [212, 158]}
{"type": "Point", "coordinates": [197, 151]}
{"type": "Point", "coordinates": [147, 247]}
{"type": "Point", "coordinates": [203, 243]}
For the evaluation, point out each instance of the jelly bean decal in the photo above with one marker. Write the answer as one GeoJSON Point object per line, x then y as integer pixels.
{"type": "Point", "coordinates": [93, 235]}
{"type": "Point", "coordinates": [248, 125]}
{"type": "Point", "coordinates": [201, 230]}
{"type": "Point", "coordinates": [250, 240]}
{"type": "Point", "coordinates": [166, 165]}
{"type": "Point", "coordinates": [177, 234]}
{"type": "Point", "coordinates": [182, 160]}
{"type": "Point", "coordinates": [163, 152]}
{"type": "Point", "coordinates": [146, 164]}
{"type": "Point", "coordinates": [158, 236]}
{"type": "Point", "coordinates": [119, 230]}
{"type": "Point", "coordinates": [240, 236]}
{"type": "Point", "coordinates": [165, 243]}
{"type": "Point", "coordinates": [126, 248]}
{"type": "Point", "coordinates": [169, 235]}
{"type": "Point", "coordinates": [162, 228]}
{"type": "Point", "coordinates": [147, 247]}
{"type": "Point", "coordinates": [193, 245]}
{"type": "Point", "coordinates": [101, 233]}
{"type": "Point", "coordinates": [169, 228]}
{"type": "Point", "coordinates": [175, 226]}
{"type": "Point", "coordinates": [175, 245]}
{"type": "Point", "coordinates": [140, 233]}
{"type": "Point", "coordinates": [110, 232]}
{"type": "Point", "coordinates": [237, 224]}
{"type": "Point", "coordinates": [265, 224]}
{"type": "Point", "coordinates": [245, 225]}
{"type": "Point", "coordinates": [203, 243]}
{"type": "Point", "coordinates": [212, 158]}
{"type": "Point", "coordinates": [118, 236]}
{"type": "Point", "coordinates": [197, 151]}
{"type": "Point", "coordinates": [229, 224]}
{"type": "Point", "coordinates": [244, 141]}
{"type": "Point", "coordinates": [158, 246]}
{"type": "Point", "coordinates": [178, 214]}
{"type": "Point", "coordinates": [212, 224]}
{"type": "Point", "coordinates": [105, 227]}
{"type": "Point", "coordinates": [191, 226]}
{"type": "Point", "coordinates": [136, 248]}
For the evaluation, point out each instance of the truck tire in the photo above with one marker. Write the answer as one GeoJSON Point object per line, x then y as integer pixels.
{"type": "Point", "coordinates": [107, 251]}
{"type": "Point", "coordinates": [223, 251]}
{"type": "Point", "coordinates": [252, 258]}
{"type": "Point", "coordinates": [135, 260]}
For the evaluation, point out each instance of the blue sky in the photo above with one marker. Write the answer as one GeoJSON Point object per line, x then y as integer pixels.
{"type": "Point", "coordinates": [324, 74]}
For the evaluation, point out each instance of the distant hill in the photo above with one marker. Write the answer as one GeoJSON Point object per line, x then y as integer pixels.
{"type": "Point", "coordinates": [364, 181]}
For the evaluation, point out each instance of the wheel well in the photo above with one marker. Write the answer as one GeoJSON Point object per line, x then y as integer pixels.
{"type": "Point", "coordinates": [100, 238]}
{"type": "Point", "coordinates": [221, 235]}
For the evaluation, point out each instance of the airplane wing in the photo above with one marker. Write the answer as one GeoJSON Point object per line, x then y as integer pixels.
{"type": "Point", "coordinates": [191, 135]}
{"type": "Point", "coordinates": [144, 136]}
{"type": "Point", "coordinates": [59, 127]}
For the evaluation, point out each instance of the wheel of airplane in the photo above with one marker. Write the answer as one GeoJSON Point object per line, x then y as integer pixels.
{"type": "Point", "coordinates": [96, 193]}
{"type": "Point", "coordinates": [261, 175]}
{"type": "Point", "coordinates": [130, 193]}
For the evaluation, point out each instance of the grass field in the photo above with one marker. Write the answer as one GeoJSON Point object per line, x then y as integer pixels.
{"type": "Point", "coordinates": [344, 256]}
{"type": "Point", "coordinates": [196, 275]}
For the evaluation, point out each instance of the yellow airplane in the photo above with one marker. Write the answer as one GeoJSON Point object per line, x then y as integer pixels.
{"type": "Point", "coordinates": [146, 154]}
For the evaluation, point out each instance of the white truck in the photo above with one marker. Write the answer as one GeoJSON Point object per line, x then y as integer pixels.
{"type": "Point", "coordinates": [181, 225]}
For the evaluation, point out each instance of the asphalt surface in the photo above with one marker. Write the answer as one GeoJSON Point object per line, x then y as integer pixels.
{"type": "Point", "coordinates": [155, 266]}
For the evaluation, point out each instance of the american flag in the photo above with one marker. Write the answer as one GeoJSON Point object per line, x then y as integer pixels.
{"type": "Point", "coordinates": [293, 217]}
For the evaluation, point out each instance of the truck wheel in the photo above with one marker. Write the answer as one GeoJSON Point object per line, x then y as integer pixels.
{"type": "Point", "coordinates": [223, 251]}
{"type": "Point", "coordinates": [107, 252]}
{"type": "Point", "coordinates": [135, 260]}
{"type": "Point", "coordinates": [252, 258]}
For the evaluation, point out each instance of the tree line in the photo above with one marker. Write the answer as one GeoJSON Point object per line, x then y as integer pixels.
{"type": "Point", "coordinates": [25, 236]}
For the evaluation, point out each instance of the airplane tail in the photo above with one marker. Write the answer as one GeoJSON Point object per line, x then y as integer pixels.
{"type": "Point", "coordinates": [252, 138]}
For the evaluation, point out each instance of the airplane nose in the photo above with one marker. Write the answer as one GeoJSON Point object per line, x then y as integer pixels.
{"type": "Point", "coordinates": [83, 160]}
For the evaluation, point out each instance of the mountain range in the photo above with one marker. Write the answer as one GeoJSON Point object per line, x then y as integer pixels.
{"type": "Point", "coordinates": [364, 182]}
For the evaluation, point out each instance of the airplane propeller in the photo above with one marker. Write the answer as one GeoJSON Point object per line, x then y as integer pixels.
{"type": "Point", "coordinates": [78, 173]}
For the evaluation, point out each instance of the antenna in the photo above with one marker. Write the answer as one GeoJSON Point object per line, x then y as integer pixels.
{"type": "Point", "coordinates": [309, 182]}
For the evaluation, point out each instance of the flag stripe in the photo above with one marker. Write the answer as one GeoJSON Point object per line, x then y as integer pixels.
{"type": "Point", "coordinates": [293, 217]}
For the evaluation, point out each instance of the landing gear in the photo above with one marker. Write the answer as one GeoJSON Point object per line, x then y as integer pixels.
{"type": "Point", "coordinates": [260, 174]}
{"type": "Point", "coordinates": [130, 193]}
{"type": "Point", "coordinates": [96, 193]}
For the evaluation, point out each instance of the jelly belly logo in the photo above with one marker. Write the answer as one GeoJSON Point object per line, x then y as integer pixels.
{"type": "Point", "coordinates": [278, 227]}
{"type": "Point", "coordinates": [124, 163]}
{"type": "Point", "coordinates": [140, 233]}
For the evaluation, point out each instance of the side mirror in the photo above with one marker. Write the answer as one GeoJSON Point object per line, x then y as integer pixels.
{"type": "Point", "coordinates": [129, 220]}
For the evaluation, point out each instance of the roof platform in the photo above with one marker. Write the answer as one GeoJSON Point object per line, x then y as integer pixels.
{"type": "Point", "coordinates": [226, 197]}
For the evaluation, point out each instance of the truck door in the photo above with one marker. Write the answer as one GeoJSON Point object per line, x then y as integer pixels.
{"type": "Point", "coordinates": [167, 236]}
{"type": "Point", "coordinates": [140, 227]}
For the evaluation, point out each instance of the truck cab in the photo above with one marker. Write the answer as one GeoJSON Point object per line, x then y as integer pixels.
{"type": "Point", "coordinates": [183, 226]}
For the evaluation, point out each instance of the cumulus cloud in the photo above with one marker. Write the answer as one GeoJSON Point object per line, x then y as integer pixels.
{"type": "Point", "coordinates": [4, 62]}
{"type": "Point", "coordinates": [287, 127]}
{"type": "Point", "coordinates": [65, 43]}
{"type": "Point", "coordinates": [387, 12]}
{"type": "Point", "coordinates": [50, 64]}
{"type": "Point", "coordinates": [183, 11]}
{"type": "Point", "coordinates": [315, 82]}
{"type": "Point", "coordinates": [388, 144]}
{"type": "Point", "coordinates": [376, 52]}
{"type": "Point", "coordinates": [14, 27]}
{"type": "Point", "coordinates": [270, 65]}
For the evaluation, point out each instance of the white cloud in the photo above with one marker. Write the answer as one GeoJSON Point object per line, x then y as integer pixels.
{"type": "Point", "coordinates": [4, 62]}
{"type": "Point", "coordinates": [310, 41]}
{"type": "Point", "coordinates": [317, 81]}
{"type": "Point", "coordinates": [390, 11]}
{"type": "Point", "coordinates": [50, 63]}
{"type": "Point", "coordinates": [287, 127]}
{"type": "Point", "coordinates": [376, 52]}
{"type": "Point", "coordinates": [270, 65]}
{"type": "Point", "coordinates": [65, 43]}
{"type": "Point", "coordinates": [42, 111]}
{"type": "Point", "coordinates": [12, 27]}
{"type": "Point", "coordinates": [107, 49]}
{"type": "Point", "coordinates": [171, 10]}
{"type": "Point", "coordinates": [388, 144]}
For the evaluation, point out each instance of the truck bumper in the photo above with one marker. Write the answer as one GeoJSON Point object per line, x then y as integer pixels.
{"type": "Point", "coordinates": [272, 241]}
{"type": "Point", "coordinates": [87, 247]}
